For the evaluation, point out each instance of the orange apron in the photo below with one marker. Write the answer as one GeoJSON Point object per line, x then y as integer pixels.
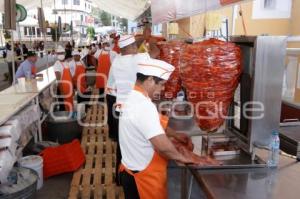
{"type": "Point", "coordinates": [103, 69]}
{"type": "Point", "coordinates": [66, 88]}
{"type": "Point", "coordinates": [33, 70]}
{"type": "Point", "coordinates": [152, 181]}
{"type": "Point", "coordinates": [116, 47]}
{"type": "Point", "coordinates": [80, 84]}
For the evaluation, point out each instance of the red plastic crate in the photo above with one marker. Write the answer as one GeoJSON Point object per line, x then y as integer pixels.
{"type": "Point", "coordinates": [62, 159]}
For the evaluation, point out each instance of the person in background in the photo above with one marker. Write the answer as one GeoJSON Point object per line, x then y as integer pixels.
{"type": "Point", "coordinates": [79, 78]}
{"type": "Point", "coordinates": [148, 43]}
{"type": "Point", "coordinates": [18, 51]}
{"type": "Point", "coordinates": [93, 47]}
{"type": "Point", "coordinates": [84, 52]}
{"type": "Point", "coordinates": [64, 73]}
{"type": "Point", "coordinates": [105, 58]}
{"type": "Point", "coordinates": [98, 51]}
{"type": "Point", "coordinates": [120, 82]}
{"type": "Point", "coordinates": [68, 46]}
{"type": "Point", "coordinates": [41, 46]}
{"type": "Point", "coordinates": [9, 60]}
{"type": "Point", "coordinates": [99, 46]}
{"type": "Point", "coordinates": [27, 67]}
{"type": "Point", "coordinates": [25, 51]}
{"type": "Point", "coordinates": [115, 42]}
{"type": "Point", "coordinates": [91, 61]}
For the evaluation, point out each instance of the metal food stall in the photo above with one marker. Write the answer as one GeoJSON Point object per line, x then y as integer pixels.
{"type": "Point", "coordinates": [257, 107]}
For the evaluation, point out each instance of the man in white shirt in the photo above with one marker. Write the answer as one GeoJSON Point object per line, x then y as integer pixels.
{"type": "Point", "coordinates": [120, 82]}
{"type": "Point", "coordinates": [9, 60]}
{"type": "Point", "coordinates": [105, 57]}
{"type": "Point", "coordinates": [144, 144]}
{"type": "Point", "coordinates": [64, 72]}
{"type": "Point", "coordinates": [58, 65]}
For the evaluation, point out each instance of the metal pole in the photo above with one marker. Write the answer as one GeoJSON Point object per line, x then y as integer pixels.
{"type": "Point", "coordinates": [65, 12]}
{"type": "Point", "coordinates": [55, 24]}
{"type": "Point", "coordinates": [19, 36]}
{"type": "Point", "coordinates": [13, 57]}
{"type": "Point", "coordinates": [1, 33]}
{"type": "Point", "coordinates": [45, 39]}
{"type": "Point", "coordinates": [71, 32]}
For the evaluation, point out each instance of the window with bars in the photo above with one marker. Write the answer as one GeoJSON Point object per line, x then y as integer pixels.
{"type": "Point", "coordinates": [38, 32]}
{"type": "Point", "coordinates": [76, 2]}
{"type": "Point", "coordinates": [30, 31]}
{"type": "Point", "coordinates": [25, 31]}
{"type": "Point", "coordinates": [33, 30]}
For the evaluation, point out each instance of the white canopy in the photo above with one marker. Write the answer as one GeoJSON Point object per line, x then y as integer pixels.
{"type": "Point", "coordinates": [170, 10]}
{"type": "Point", "coordinates": [29, 4]}
{"type": "Point", "coordinates": [130, 9]}
{"type": "Point", "coordinates": [162, 10]}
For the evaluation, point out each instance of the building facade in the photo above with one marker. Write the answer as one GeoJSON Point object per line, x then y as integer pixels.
{"type": "Point", "coordinates": [77, 11]}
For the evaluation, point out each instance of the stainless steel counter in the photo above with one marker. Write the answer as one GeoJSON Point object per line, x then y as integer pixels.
{"type": "Point", "coordinates": [242, 183]}
{"type": "Point", "coordinates": [281, 183]}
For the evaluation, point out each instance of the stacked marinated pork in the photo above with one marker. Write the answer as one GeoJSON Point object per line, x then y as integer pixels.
{"type": "Point", "coordinates": [170, 52]}
{"type": "Point", "coordinates": [210, 72]}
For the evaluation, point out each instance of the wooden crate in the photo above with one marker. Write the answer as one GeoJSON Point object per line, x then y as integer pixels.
{"type": "Point", "coordinates": [98, 192]}
{"type": "Point", "coordinates": [95, 179]}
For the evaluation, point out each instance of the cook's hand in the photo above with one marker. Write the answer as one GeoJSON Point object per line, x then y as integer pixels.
{"type": "Point", "coordinates": [194, 159]}
{"type": "Point", "coordinates": [184, 139]}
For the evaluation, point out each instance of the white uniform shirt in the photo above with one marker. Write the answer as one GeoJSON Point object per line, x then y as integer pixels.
{"type": "Point", "coordinates": [58, 66]}
{"type": "Point", "coordinates": [97, 53]}
{"type": "Point", "coordinates": [124, 70]}
{"type": "Point", "coordinates": [139, 122]}
{"type": "Point", "coordinates": [9, 56]}
{"type": "Point", "coordinates": [112, 54]}
{"type": "Point", "coordinates": [111, 84]}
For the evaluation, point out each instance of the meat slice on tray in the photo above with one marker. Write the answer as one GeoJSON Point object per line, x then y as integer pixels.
{"type": "Point", "coordinates": [187, 151]}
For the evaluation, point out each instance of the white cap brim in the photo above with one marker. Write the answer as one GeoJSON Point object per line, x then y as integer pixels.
{"type": "Point", "coordinates": [156, 68]}
{"type": "Point", "coordinates": [126, 41]}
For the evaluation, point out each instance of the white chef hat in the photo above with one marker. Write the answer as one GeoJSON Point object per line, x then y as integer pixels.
{"type": "Point", "coordinates": [76, 52]}
{"type": "Point", "coordinates": [126, 40]}
{"type": "Point", "coordinates": [155, 67]}
{"type": "Point", "coordinates": [60, 49]}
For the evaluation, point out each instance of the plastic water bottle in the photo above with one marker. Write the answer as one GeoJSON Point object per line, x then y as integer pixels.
{"type": "Point", "coordinates": [180, 96]}
{"type": "Point", "coordinates": [273, 159]}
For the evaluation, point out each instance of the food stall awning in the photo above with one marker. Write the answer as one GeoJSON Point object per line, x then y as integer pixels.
{"type": "Point", "coordinates": [130, 9]}
{"type": "Point", "coordinates": [170, 10]}
{"type": "Point", "coordinates": [29, 4]}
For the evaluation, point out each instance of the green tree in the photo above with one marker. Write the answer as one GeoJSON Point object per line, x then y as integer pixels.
{"type": "Point", "coordinates": [7, 34]}
{"type": "Point", "coordinates": [105, 18]}
{"type": "Point", "coordinates": [91, 32]}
